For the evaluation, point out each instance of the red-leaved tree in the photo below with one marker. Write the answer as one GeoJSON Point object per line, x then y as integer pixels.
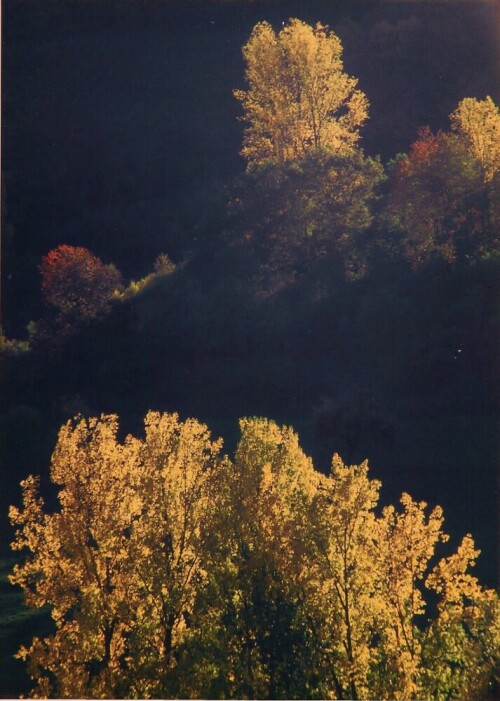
{"type": "Point", "coordinates": [77, 283]}
{"type": "Point", "coordinates": [437, 200]}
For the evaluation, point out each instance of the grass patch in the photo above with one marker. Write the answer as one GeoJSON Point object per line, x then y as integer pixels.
{"type": "Point", "coordinates": [18, 625]}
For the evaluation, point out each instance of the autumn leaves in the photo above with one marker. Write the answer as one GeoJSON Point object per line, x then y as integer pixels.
{"type": "Point", "coordinates": [303, 117]}
{"type": "Point", "coordinates": [121, 562]}
{"type": "Point", "coordinates": [172, 570]}
{"type": "Point", "coordinates": [299, 100]}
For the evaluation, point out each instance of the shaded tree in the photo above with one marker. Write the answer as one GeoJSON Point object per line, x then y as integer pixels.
{"type": "Point", "coordinates": [320, 207]}
{"type": "Point", "coordinates": [437, 201]}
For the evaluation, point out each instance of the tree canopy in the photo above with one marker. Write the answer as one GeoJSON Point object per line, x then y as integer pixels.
{"type": "Point", "coordinates": [298, 99]}
{"type": "Point", "coordinates": [444, 194]}
{"type": "Point", "coordinates": [77, 283]}
{"type": "Point", "coordinates": [171, 570]}
{"type": "Point", "coordinates": [294, 216]}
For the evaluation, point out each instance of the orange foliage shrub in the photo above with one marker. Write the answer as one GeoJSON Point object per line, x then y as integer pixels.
{"type": "Point", "coordinates": [78, 283]}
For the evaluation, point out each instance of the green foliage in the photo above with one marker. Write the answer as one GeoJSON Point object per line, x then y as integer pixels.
{"type": "Point", "coordinates": [318, 208]}
{"type": "Point", "coordinates": [172, 571]}
{"type": "Point", "coordinates": [11, 346]}
{"type": "Point", "coordinates": [162, 266]}
{"type": "Point", "coordinates": [438, 202]}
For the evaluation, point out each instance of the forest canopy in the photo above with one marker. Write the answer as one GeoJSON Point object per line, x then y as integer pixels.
{"type": "Point", "coordinates": [171, 570]}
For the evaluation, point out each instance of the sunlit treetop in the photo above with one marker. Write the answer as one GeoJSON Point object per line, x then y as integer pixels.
{"type": "Point", "coordinates": [478, 122]}
{"type": "Point", "coordinates": [298, 99]}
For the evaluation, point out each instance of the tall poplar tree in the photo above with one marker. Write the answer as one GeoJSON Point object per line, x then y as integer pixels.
{"type": "Point", "coordinates": [299, 99]}
{"type": "Point", "coordinates": [478, 122]}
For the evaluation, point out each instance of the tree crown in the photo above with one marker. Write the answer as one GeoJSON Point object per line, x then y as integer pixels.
{"type": "Point", "coordinates": [299, 99]}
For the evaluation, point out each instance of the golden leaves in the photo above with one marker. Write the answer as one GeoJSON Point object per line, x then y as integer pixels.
{"type": "Point", "coordinates": [298, 98]}
{"type": "Point", "coordinates": [168, 567]}
{"type": "Point", "coordinates": [122, 553]}
{"type": "Point", "coordinates": [478, 122]}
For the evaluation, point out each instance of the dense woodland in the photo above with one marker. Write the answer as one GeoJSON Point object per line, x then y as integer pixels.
{"type": "Point", "coordinates": [214, 209]}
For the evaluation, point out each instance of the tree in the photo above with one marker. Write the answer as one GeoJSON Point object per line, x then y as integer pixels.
{"type": "Point", "coordinates": [172, 572]}
{"type": "Point", "coordinates": [163, 265]}
{"type": "Point", "coordinates": [437, 201]}
{"type": "Point", "coordinates": [77, 283]}
{"type": "Point", "coordinates": [120, 562]}
{"type": "Point", "coordinates": [342, 599]}
{"type": "Point", "coordinates": [255, 602]}
{"type": "Point", "coordinates": [460, 653]}
{"type": "Point", "coordinates": [405, 542]}
{"type": "Point", "coordinates": [298, 99]}
{"type": "Point", "coordinates": [478, 123]}
{"type": "Point", "coordinates": [296, 215]}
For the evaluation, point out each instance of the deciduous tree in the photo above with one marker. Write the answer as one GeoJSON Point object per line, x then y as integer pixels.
{"type": "Point", "coordinates": [437, 201]}
{"type": "Point", "coordinates": [171, 572]}
{"type": "Point", "coordinates": [405, 542]}
{"type": "Point", "coordinates": [342, 594]}
{"type": "Point", "coordinates": [121, 560]}
{"type": "Point", "coordinates": [478, 123]}
{"type": "Point", "coordinates": [260, 621]}
{"type": "Point", "coordinates": [77, 283]}
{"type": "Point", "coordinates": [298, 99]}
{"type": "Point", "coordinates": [294, 216]}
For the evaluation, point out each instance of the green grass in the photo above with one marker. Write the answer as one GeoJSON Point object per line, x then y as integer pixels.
{"type": "Point", "coordinates": [18, 625]}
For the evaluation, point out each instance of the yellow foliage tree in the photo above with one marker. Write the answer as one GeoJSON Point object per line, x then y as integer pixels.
{"type": "Point", "coordinates": [172, 572]}
{"type": "Point", "coordinates": [275, 484]}
{"type": "Point", "coordinates": [460, 653]}
{"type": "Point", "coordinates": [272, 487]}
{"type": "Point", "coordinates": [341, 593]}
{"type": "Point", "coordinates": [405, 542]}
{"type": "Point", "coordinates": [120, 562]}
{"type": "Point", "coordinates": [299, 99]}
{"type": "Point", "coordinates": [478, 122]}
